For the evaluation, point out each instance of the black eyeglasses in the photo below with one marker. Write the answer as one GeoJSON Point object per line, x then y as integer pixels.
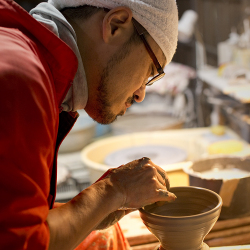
{"type": "Point", "coordinates": [141, 31]}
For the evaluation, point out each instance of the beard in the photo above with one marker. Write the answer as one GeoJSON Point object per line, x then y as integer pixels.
{"type": "Point", "coordinates": [104, 114]}
{"type": "Point", "coordinates": [104, 106]}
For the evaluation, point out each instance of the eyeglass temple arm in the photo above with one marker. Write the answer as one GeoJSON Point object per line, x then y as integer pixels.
{"type": "Point", "coordinates": [154, 59]}
{"type": "Point", "coordinates": [141, 31]}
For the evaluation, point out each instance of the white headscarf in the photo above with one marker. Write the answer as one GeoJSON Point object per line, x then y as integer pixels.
{"type": "Point", "coordinates": [158, 17]}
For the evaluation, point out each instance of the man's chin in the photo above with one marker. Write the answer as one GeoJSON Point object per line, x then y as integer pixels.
{"type": "Point", "coordinates": [109, 119]}
{"type": "Point", "coordinates": [106, 118]}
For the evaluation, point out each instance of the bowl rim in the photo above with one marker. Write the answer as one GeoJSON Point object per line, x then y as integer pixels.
{"type": "Point", "coordinates": [217, 207]}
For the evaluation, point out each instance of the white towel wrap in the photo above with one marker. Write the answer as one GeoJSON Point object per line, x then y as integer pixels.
{"type": "Point", "coordinates": [158, 17]}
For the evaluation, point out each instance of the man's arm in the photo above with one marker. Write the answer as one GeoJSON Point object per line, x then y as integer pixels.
{"type": "Point", "coordinates": [132, 186]}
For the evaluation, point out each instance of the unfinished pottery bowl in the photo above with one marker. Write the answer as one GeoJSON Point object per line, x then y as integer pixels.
{"type": "Point", "coordinates": [183, 224]}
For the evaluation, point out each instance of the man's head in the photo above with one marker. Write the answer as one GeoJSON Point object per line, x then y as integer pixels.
{"type": "Point", "coordinates": [116, 60]}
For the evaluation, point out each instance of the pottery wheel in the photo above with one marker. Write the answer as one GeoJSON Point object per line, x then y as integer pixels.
{"type": "Point", "coordinates": [204, 247]}
{"type": "Point", "coordinates": [159, 154]}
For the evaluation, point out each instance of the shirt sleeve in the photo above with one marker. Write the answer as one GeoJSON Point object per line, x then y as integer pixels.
{"type": "Point", "coordinates": [27, 142]}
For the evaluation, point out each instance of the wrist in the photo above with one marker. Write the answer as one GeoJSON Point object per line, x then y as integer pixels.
{"type": "Point", "coordinates": [112, 193]}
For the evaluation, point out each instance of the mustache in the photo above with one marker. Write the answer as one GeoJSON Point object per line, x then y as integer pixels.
{"type": "Point", "coordinates": [131, 100]}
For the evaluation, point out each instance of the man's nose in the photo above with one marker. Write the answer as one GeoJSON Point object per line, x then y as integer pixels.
{"type": "Point", "coordinates": [140, 93]}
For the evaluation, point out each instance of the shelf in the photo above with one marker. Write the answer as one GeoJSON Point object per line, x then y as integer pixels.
{"type": "Point", "coordinates": [240, 92]}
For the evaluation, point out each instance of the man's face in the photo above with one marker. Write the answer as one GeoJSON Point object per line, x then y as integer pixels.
{"type": "Point", "coordinates": [116, 68]}
{"type": "Point", "coordinates": [113, 93]}
{"type": "Point", "coordinates": [123, 81]}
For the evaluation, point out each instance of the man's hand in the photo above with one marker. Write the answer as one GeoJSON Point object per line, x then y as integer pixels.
{"type": "Point", "coordinates": [139, 183]}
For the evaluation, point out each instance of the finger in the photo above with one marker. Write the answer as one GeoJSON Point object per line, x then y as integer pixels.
{"type": "Point", "coordinates": [157, 174]}
{"type": "Point", "coordinates": [165, 195]}
{"type": "Point", "coordinates": [163, 192]}
{"type": "Point", "coordinates": [163, 175]}
{"type": "Point", "coordinates": [146, 160]}
{"type": "Point", "coordinates": [160, 179]}
{"type": "Point", "coordinates": [142, 162]}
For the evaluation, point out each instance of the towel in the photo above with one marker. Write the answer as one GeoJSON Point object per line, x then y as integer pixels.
{"type": "Point", "coordinates": [53, 19]}
{"type": "Point", "coordinates": [158, 17]}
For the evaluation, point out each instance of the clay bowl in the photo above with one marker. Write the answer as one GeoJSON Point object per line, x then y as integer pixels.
{"type": "Point", "coordinates": [184, 223]}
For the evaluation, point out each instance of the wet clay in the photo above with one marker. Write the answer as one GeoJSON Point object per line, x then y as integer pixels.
{"type": "Point", "coordinates": [183, 224]}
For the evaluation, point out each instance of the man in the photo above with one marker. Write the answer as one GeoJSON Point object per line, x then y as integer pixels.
{"type": "Point", "coordinates": [74, 54]}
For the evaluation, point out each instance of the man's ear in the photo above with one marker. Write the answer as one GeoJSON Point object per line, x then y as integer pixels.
{"type": "Point", "coordinates": [116, 23]}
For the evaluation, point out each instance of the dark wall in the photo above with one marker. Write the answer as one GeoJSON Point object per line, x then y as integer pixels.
{"type": "Point", "coordinates": [216, 18]}
{"type": "Point", "coordinates": [185, 53]}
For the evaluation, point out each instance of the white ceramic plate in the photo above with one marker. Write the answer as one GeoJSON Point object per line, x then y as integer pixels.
{"type": "Point", "coordinates": [159, 154]}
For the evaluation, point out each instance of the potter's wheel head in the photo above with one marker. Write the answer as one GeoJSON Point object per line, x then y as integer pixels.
{"type": "Point", "coordinates": [204, 247]}
{"type": "Point", "coordinates": [159, 154]}
{"type": "Point", "coordinates": [184, 223]}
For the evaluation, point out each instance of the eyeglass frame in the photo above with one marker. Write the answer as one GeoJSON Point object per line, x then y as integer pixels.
{"type": "Point", "coordinates": [141, 31]}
